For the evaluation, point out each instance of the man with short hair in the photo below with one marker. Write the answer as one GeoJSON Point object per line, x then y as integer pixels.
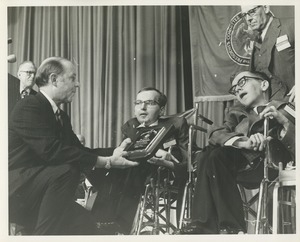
{"type": "Point", "coordinates": [26, 75]}
{"type": "Point", "coordinates": [18, 89]}
{"type": "Point", "coordinates": [46, 157]}
{"type": "Point", "coordinates": [126, 187]}
{"type": "Point", "coordinates": [237, 151]}
{"type": "Point", "coordinates": [274, 50]}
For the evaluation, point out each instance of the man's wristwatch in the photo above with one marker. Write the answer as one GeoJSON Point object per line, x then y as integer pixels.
{"type": "Point", "coordinates": [108, 164]}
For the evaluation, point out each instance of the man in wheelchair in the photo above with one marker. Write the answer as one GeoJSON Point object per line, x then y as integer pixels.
{"type": "Point", "coordinates": [126, 186]}
{"type": "Point", "coordinates": [237, 149]}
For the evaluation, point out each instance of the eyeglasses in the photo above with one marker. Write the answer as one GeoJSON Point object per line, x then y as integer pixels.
{"type": "Point", "coordinates": [251, 12]}
{"type": "Point", "coordinates": [29, 72]}
{"type": "Point", "coordinates": [241, 83]}
{"type": "Point", "coordinates": [147, 102]}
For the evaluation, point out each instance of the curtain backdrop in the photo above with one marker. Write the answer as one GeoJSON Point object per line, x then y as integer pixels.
{"type": "Point", "coordinates": [117, 50]}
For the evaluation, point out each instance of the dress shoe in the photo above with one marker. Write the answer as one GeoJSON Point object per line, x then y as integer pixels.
{"type": "Point", "coordinates": [229, 230]}
{"type": "Point", "coordinates": [190, 229]}
{"type": "Point", "coordinates": [195, 228]}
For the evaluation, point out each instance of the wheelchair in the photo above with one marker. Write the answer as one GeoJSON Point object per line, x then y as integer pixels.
{"type": "Point", "coordinates": [162, 198]}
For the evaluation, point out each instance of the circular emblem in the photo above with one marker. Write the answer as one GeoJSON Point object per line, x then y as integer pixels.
{"type": "Point", "coordinates": [239, 40]}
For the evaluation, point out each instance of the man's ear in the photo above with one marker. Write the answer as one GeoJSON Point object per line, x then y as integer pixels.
{"type": "Point", "coordinates": [53, 79]}
{"type": "Point", "coordinates": [266, 8]}
{"type": "Point", "coordinates": [162, 111]}
{"type": "Point", "coordinates": [264, 85]}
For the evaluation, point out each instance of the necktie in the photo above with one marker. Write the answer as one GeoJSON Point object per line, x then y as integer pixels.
{"type": "Point", "coordinates": [258, 41]}
{"type": "Point", "coordinates": [25, 93]}
{"type": "Point", "coordinates": [260, 109]}
{"type": "Point", "coordinates": [59, 118]}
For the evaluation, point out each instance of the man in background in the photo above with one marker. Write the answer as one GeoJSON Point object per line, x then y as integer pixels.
{"type": "Point", "coordinates": [18, 89]}
{"type": "Point", "coordinates": [274, 50]}
{"type": "Point", "coordinates": [26, 74]}
{"type": "Point", "coordinates": [46, 157]}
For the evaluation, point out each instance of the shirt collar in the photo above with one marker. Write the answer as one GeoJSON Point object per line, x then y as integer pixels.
{"type": "Point", "coordinates": [264, 32]}
{"type": "Point", "coordinates": [255, 108]}
{"type": "Point", "coordinates": [53, 104]}
{"type": "Point", "coordinates": [23, 88]}
{"type": "Point", "coordinates": [151, 125]}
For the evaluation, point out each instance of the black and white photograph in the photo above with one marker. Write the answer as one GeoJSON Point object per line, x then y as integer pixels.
{"type": "Point", "coordinates": [126, 120]}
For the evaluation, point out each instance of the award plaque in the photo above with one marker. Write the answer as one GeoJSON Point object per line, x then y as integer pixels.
{"type": "Point", "coordinates": [147, 143]}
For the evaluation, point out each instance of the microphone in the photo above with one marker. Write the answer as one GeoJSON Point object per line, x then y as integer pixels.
{"type": "Point", "coordinates": [12, 58]}
{"type": "Point", "coordinates": [206, 120]}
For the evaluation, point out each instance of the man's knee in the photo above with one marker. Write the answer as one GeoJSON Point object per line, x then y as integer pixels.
{"type": "Point", "coordinates": [66, 175]}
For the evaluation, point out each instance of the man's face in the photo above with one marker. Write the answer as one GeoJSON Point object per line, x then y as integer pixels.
{"type": "Point", "coordinates": [146, 113]}
{"type": "Point", "coordinates": [256, 16]}
{"type": "Point", "coordinates": [67, 83]}
{"type": "Point", "coordinates": [26, 75]}
{"type": "Point", "coordinates": [251, 93]}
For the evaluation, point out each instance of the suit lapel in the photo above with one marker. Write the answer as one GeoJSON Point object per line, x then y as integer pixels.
{"type": "Point", "coordinates": [270, 40]}
{"type": "Point", "coordinates": [48, 112]}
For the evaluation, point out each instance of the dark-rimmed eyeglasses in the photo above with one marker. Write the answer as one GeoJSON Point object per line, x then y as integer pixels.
{"type": "Point", "coordinates": [251, 12]}
{"type": "Point", "coordinates": [29, 72]}
{"type": "Point", "coordinates": [241, 83]}
{"type": "Point", "coordinates": [146, 102]}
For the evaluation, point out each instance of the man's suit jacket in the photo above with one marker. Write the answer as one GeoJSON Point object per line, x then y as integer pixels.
{"type": "Point", "coordinates": [36, 141]}
{"type": "Point", "coordinates": [242, 121]}
{"type": "Point", "coordinates": [279, 66]}
{"type": "Point", "coordinates": [13, 94]}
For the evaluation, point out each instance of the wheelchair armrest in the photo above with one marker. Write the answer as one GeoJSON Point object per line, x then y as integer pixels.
{"type": "Point", "coordinates": [198, 128]}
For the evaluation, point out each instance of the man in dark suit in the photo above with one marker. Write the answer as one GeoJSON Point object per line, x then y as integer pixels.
{"type": "Point", "coordinates": [18, 89]}
{"type": "Point", "coordinates": [238, 147]}
{"type": "Point", "coordinates": [274, 50]}
{"type": "Point", "coordinates": [46, 158]}
{"type": "Point", "coordinates": [127, 186]}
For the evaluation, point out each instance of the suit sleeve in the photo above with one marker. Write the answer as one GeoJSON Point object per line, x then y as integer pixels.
{"type": "Point", "coordinates": [233, 119]}
{"type": "Point", "coordinates": [183, 139]}
{"type": "Point", "coordinates": [289, 139]}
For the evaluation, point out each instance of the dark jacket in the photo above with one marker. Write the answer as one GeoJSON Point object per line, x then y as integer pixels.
{"type": "Point", "coordinates": [36, 142]}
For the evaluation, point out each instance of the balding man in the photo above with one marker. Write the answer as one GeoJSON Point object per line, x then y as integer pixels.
{"type": "Point", "coordinates": [46, 157]}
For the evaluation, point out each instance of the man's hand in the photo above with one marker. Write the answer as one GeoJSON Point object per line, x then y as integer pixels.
{"type": "Point", "coordinates": [117, 160]}
{"type": "Point", "coordinates": [162, 158]}
{"type": "Point", "coordinates": [292, 95]}
{"type": "Point", "coordinates": [255, 142]}
{"type": "Point", "coordinates": [271, 112]}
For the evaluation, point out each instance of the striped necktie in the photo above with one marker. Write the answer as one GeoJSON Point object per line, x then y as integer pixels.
{"type": "Point", "coordinates": [25, 93]}
{"type": "Point", "coordinates": [59, 118]}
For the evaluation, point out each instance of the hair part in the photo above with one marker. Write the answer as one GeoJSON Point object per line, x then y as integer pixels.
{"type": "Point", "coordinates": [49, 66]}
{"type": "Point", "coordinates": [162, 98]}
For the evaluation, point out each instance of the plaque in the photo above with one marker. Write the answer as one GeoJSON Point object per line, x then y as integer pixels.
{"type": "Point", "coordinates": [148, 141]}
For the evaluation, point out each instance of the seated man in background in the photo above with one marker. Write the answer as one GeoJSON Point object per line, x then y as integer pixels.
{"type": "Point", "coordinates": [127, 186]}
{"type": "Point", "coordinates": [46, 158]}
{"type": "Point", "coordinates": [238, 147]}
